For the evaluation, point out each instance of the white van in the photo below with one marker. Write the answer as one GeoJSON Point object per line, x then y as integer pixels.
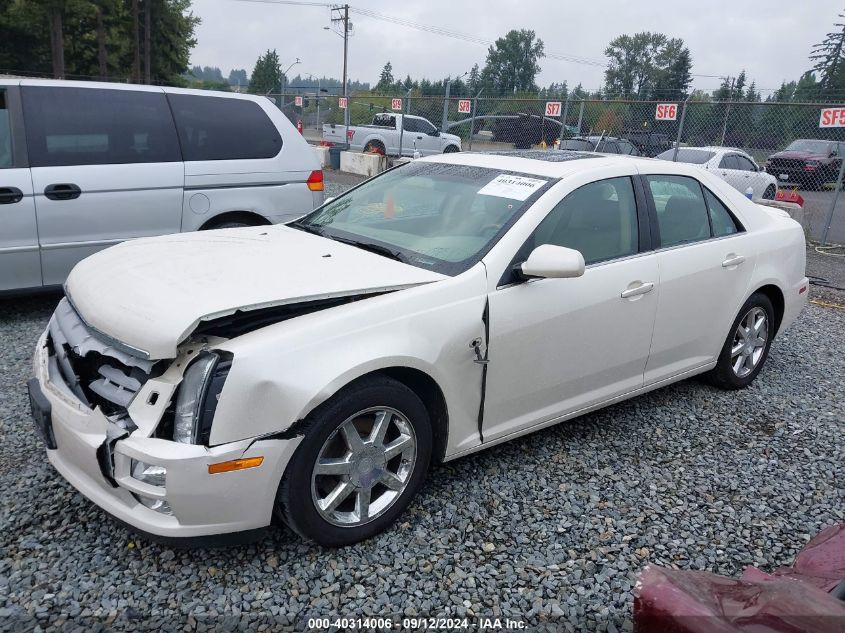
{"type": "Point", "coordinates": [86, 165]}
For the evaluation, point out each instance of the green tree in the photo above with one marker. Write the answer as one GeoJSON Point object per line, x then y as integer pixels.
{"type": "Point", "coordinates": [829, 58]}
{"type": "Point", "coordinates": [267, 75]}
{"type": "Point", "coordinates": [474, 79]}
{"type": "Point", "coordinates": [386, 81]}
{"type": "Point", "coordinates": [647, 65]}
{"type": "Point", "coordinates": [512, 63]}
{"type": "Point", "coordinates": [237, 77]}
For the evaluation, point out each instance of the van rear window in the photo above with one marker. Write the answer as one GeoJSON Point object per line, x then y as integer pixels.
{"type": "Point", "coordinates": [220, 128]}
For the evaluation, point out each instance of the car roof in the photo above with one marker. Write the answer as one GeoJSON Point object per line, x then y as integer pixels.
{"type": "Point", "coordinates": [554, 163]}
{"type": "Point", "coordinates": [64, 83]}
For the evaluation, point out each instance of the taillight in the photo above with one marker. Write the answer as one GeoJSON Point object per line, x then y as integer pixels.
{"type": "Point", "coordinates": [315, 180]}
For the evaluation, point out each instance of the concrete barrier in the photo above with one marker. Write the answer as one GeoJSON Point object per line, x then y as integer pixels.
{"type": "Point", "coordinates": [363, 164]}
{"type": "Point", "coordinates": [322, 154]}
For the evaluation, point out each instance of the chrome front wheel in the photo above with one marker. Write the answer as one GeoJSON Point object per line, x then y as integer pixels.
{"type": "Point", "coordinates": [364, 467]}
{"type": "Point", "coordinates": [749, 342]}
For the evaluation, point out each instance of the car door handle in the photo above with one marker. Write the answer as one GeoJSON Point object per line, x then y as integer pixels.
{"type": "Point", "coordinates": [10, 195]}
{"type": "Point", "coordinates": [733, 260]}
{"type": "Point", "coordinates": [62, 191]}
{"type": "Point", "coordinates": [638, 290]}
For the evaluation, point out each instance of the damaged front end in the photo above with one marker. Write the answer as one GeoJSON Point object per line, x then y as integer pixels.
{"type": "Point", "coordinates": [134, 393]}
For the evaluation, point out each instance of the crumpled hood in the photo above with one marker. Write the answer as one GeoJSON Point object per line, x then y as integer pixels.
{"type": "Point", "coordinates": [151, 293]}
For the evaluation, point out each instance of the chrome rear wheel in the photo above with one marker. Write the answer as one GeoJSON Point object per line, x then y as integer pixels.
{"type": "Point", "coordinates": [749, 343]}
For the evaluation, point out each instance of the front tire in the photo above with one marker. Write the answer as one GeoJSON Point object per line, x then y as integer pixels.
{"type": "Point", "coordinates": [450, 149]}
{"type": "Point", "coordinates": [364, 456]}
{"type": "Point", "coordinates": [747, 346]}
{"type": "Point", "coordinates": [770, 192]}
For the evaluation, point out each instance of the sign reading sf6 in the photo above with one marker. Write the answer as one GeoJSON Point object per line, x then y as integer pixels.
{"type": "Point", "coordinates": [832, 117]}
{"type": "Point", "coordinates": [666, 112]}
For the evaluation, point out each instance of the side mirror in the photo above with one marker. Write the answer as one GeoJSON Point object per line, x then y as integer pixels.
{"type": "Point", "coordinates": [552, 262]}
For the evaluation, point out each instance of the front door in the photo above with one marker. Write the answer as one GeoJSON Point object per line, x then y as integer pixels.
{"type": "Point", "coordinates": [561, 345]}
{"type": "Point", "coordinates": [106, 167]}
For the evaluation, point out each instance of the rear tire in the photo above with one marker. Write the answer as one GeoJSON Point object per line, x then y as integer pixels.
{"type": "Point", "coordinates": [374, 147]}
{"type": "Point", "coordinates": [747, 346]}
{"type": "Point", "coordinates": [347, 482]}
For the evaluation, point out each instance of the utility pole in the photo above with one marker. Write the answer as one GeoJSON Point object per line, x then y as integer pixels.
{"type": "Point", "coordinates": [344, 18]}
{"type": "Point", "coordinates": [727, 112]}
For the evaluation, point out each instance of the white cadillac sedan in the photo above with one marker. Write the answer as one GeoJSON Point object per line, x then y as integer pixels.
{"type": "Point", "coordinates": [215, 383]}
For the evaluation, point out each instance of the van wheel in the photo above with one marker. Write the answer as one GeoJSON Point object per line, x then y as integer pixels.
{"type": "Point", "coordinates": [364, 456]}
{"type": "Point", "coordinates": [747, 347]}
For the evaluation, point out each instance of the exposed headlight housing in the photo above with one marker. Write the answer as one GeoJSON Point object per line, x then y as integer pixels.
{"type": "Point", "coordinates": [196, 401]}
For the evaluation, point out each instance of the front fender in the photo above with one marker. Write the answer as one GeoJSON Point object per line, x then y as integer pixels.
{"type": "Point", "coordinates": [282, 372]}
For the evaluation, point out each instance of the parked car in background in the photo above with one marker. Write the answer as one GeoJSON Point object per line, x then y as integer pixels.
{"type": "Point", "coordinates": [438, 309]}
{"type": "Point", "coordinates": [382, 137]}
{"type": "Point", "coordinates": [807, 162]}
{"type": "Point", "coordinates": [84, 166]}
{"type": "Point", "coordinates": [602, 144]}
{"type": "Point", "coordinates": [649, 143]}
{"type": "Point", "coordinates": [733, 165]}
{"type": "Point", "coordinates": [524, 130]}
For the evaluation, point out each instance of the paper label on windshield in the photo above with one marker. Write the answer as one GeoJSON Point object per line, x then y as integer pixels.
{"type": "Point", "coordinates": [513, 187]}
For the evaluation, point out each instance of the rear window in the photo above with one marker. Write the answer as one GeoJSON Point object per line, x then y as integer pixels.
{"type": "Point", "coordinates": [93, 126]}
{"type": "Point", "coordinates": [220, 128]}
{"type": "Point", "coordinates": [695, 156]}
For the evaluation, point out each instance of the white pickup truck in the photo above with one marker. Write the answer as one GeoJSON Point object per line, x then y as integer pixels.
{"type": "Point", "coordinates": [383, 136]}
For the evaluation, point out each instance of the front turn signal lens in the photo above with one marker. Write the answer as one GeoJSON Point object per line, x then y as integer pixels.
{"type": "Point", "coordinates": [315, 180]}
{"type": "Point", "coordinates": [235, 464]}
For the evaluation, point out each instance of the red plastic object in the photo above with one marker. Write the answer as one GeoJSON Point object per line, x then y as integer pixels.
{"type": "Point", "coordinates": [793, 599]}
{"type": "Point", "coordinates": [790, 195]}
{"type": "Point", "coordinates": [299, 126]}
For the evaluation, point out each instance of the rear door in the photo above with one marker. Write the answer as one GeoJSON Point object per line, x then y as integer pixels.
{"type": "Point", "coordinates": [20, 264]}
{"type": "Point", "coordinates": [705, 260]}
{"type": "Point", "coordinates": [106, 167]}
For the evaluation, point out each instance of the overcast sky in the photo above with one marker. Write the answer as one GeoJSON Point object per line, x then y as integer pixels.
{"type": "Point", "coordinates": [771, 39]}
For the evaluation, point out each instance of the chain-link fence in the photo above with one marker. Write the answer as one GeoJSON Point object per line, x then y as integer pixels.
{"type": "Point", "coordinates": [773, 145]}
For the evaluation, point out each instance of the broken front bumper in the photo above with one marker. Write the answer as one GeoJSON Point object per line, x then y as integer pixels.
{"type": "Point", "coordinates": [202, 504]}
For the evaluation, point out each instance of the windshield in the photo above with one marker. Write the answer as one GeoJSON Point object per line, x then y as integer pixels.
{"type": "Point", "coordinates": [436, 216]}
{"type": "Point", "coordinates": [695, 156]}
{"type": "Point", "coordinates": [813, 147]}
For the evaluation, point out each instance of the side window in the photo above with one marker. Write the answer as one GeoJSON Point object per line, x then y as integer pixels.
{"type": "Point", "coordinates": [5, 134]}
{"type": "Point", "coordinates": [681, 210]}
{"type": "Point", "coordinates": [425, 127]}
{"type": "Point", "coordinates": [721, 220]}
{"type": "Point", "coordinates": [94, 126]}
{"type": "Point", "coordinates": [598, 219]}
{"type": "Point", "coordinates": [728, 162]}
{"type": "Point", "coordinates": [411, 125]}
{"type": "Point", "coordinates": [222, 128]}
{"type": "Point", "coordinates": [745, 164]}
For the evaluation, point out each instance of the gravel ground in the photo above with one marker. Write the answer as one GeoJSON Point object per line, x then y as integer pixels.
{"type": "Point", "coordinates": [551, 528]}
